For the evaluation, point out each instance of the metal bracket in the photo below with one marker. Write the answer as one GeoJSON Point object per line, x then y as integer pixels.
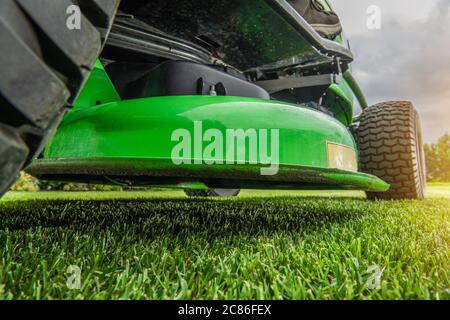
{"type": "Point", "coordinates": [280, 84]}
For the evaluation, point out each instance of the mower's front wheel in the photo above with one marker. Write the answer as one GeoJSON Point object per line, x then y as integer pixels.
{"type": "Point", "coordinates": [47, 51]}
{"type": "Point", "coordinates": [212, 192]}
{"type": "Point", "coordinates": [391, 148]}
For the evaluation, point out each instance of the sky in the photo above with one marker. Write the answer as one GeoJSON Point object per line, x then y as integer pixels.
{"type": "Point", "coordinates": [408, 58]}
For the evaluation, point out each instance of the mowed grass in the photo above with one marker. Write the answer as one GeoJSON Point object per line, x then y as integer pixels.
{"type": "Point", "coordinates": [262, 245]}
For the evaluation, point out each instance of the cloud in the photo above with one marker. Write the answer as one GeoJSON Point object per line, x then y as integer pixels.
{"type": "Point", "coordinates": [408, 59]}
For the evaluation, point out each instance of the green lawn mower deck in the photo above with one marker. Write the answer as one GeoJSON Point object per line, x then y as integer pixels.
{"type": "Point", "coordinates": [133, 141]}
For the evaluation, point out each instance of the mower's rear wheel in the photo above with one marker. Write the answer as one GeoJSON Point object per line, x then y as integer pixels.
{"type": "Point", "coordinates": [212, 192]}
{"type": "Point", "coordinates": [45, 59]}
{"type": "Point", "coordinates": [391, 148]}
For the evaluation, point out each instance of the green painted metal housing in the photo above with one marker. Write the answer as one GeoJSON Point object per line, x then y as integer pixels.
{"type": "Point", "coordinates": [197, 140]}
{"type": "Point", "coordinates": [143, 128]}
{"type": "Point", "coordinates": [98, 89]}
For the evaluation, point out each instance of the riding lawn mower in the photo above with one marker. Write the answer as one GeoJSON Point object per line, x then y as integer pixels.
{"type": "Point", "coordinates": [207, 96]}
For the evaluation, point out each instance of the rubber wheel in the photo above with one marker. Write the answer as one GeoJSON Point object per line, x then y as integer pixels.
{"type": "Point", "coordinates": [212, 193]}
{"type": "Point", "coordinates": [391, 148]}
{"type": "Point", "coordinates": [44, 66]}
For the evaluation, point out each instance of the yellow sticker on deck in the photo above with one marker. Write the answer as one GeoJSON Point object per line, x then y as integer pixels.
{"type": "Point", "coordinates": [341, 157]}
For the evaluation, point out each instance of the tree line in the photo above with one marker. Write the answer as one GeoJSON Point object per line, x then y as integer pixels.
{"type": "Point", "coordinates": [437, 157]}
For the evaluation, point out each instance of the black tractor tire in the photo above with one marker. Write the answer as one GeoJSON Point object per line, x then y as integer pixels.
{"type": "Point", "coordinates": [43, 66]}
{"type": "Point", "coordinates": [212, 193]}
{"type": "Point", "coordinates": [391, 148]}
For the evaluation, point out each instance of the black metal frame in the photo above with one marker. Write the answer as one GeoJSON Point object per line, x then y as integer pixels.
{"type": "Point", "coordinates": [324, 46]}
{"type": "Point", "coordinates": [131, 34]}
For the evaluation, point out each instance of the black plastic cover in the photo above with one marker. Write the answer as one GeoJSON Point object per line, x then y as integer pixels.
{"type": "Point", "coordinates": [178, 78]}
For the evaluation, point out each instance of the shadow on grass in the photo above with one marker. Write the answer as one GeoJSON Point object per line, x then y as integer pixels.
{"type": "Point", "coordinates": [182, 218]}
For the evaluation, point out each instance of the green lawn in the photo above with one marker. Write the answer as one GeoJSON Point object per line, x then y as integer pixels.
{"type": "Point", "coordinates": [264, 244]}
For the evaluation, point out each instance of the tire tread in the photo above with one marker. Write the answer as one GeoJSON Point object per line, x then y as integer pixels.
{"type": "Point", "coordinates": [387, 149]}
